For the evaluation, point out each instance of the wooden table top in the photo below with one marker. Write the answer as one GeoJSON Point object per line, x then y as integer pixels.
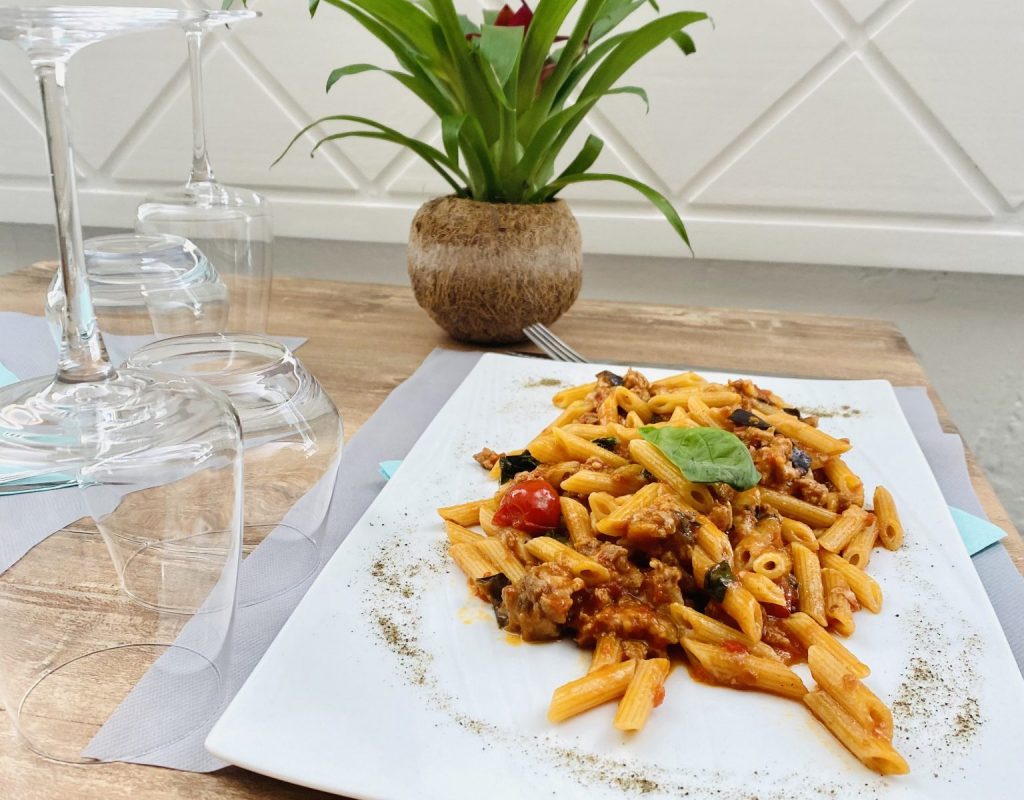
{"type": "Point", "coordinates": [365, 339]}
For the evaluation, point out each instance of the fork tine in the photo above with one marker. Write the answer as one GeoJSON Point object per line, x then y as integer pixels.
{"type": "Point", "coordinates": [551, 343]}
{"type": "Point", "coordinates": [572, 354]}
{"type": "Point", "coordinates": [533, 336]}
{"type": "Point", "coordinates": [540, 337]}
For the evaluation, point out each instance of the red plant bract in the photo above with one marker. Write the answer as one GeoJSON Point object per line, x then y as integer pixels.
{"type": "Point", "coordinates": [507, 18]}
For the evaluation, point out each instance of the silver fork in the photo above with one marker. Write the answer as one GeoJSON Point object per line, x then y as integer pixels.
{"type": "Point", "coordinates": [551, 345]}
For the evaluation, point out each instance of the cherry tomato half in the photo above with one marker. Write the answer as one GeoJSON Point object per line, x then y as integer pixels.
{"type": "Point", "coordinates": [531, 506]}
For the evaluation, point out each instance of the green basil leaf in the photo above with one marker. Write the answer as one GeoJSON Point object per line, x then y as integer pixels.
{"type": "Point", "coordinates": [706, 455]}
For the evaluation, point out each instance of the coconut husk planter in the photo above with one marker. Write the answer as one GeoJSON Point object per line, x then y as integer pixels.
{"type": "Point", "coordinates": [483, 271]}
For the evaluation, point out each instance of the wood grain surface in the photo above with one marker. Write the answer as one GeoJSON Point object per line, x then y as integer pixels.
{"type": "Point", "coordinates": [366, 339]}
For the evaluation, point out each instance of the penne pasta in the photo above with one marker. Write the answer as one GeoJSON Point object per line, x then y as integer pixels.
{"type": "Point", "coordinates": [807, 570]}
{"type": "Point", "coordinates": [572, 413]}
{"type": "Point", "coordinates": [682, 380]}
{"type": "Point", "coordinates": [810, 634]}
{"type": "Point", "coordinates": [547, 449]}
{"type": "Point", "coordinates": [740, 604]}
{"type": "Point", "coordinates": [601, 505]}
{"type": "Point", "coordinates": [471, 561]}
{"type": "Point", "coordinates": [700, 564]}
{"type": "Point", "coordinates": [577, 522]}
{"type": "Point", "coordinates": [843, 478]}
{"type": "Point", "coordinates": [699, 411]}
{"type": "Point", "coordinates": [843, 686]}
{"type": "Point", "coordinates": [644, 692]}
{"type": "Point", "coordinates": [746, 671]}
{"type": "Point", "coordinates": [794, 531]}
{"type": "Point", "coordinates": [890, 529]}
{"type": "Point", "coordinates": [463, 513]}
{"type": "Point", "coordinates": [582, 449]}
{"type": "Point", "coordinates": [631, 403]}
{"type": "Point", "coordinates": [848, 525]}
{"type": "Point", "coordinates": [706, 629]}
{"type": "Point", "coordinates": [457, 534]}
{"type": "Point", "coordinates": [773, 564]}
{"type": "Point", "coordinates": [875, 752]}
{"type": "Point", "coordinates": [567, 397]}
{"type": "Point", "coordinates": [799, 510]}
{"type": "Point", "coordinates": [616, 522]}
{"type": "Point", "coordinates": [839, 602]}
{"type": "Point", "coordinates": [588, 481]}
{"type": "Point", "coordinates": [500, 557]}
{"type": "Point", "coordinates": [608, 650]}
{"type": "Point", "coordinates": [593, 689]}
{"type": "Point", "coordinates": [858, 551]}
{"type": "Point", "coordinates": [545, 548]}
{"type": "Point", "coordinates": [807, 435]}
{"type": "Point", "coordinates": [867, 590]}
{"type": "Point", "coordinates": [658, 464]}
{"type": "Point", "coordinates": [763, 589]}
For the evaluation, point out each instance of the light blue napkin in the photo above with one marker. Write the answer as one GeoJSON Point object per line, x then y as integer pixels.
{"type": "Point", "coordinates": [388, 469]}
{"type": "Point", "coordinates": [31, 484]}
{"type": "Point", "coordinates": [977, 533]}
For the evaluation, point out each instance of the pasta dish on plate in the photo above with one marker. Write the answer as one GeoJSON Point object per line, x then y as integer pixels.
{"type": "Point", "coordinates": [681, 518]}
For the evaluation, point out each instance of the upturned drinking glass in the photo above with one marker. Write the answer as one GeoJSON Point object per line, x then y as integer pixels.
{"type": "Point", "coordinates": [293, 437]}
{"type": "Point", "coordinates": [232, 226]}
{"type": "Point", "coordinates": [88, 619]}
{"type": "Point", "coordinates": [149, 285]}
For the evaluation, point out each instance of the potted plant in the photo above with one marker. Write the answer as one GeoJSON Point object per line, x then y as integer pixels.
{"type": "Point", "coordinates": [502, 251]}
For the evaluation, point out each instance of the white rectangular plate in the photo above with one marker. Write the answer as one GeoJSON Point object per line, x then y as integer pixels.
{"type": "Point", "coordinates": [390, 682]}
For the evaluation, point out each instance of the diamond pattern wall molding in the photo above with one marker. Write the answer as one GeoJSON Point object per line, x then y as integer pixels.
{"type": "Point", "coordinates": [831, 131]}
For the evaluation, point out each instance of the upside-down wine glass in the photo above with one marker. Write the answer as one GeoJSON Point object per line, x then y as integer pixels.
{"type": "Point", "coordinates": [232, 226]}
{"type": "Point", "coordinates": [85, 620]}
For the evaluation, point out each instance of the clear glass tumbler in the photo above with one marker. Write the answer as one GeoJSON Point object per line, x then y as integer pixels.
{"type": "Point", "coordinates": [152, 285]}
{"type": "Point", "coordinates": [293, 438]}
{"type": "Point", "coordinates": [232, 226]}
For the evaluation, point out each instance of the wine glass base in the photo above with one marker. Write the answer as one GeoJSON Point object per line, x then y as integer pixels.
{"type": "Point", "coordinates": [50, 428]}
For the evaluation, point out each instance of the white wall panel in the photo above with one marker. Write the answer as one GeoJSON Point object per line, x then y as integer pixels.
{"type": "Point", "coordinates": [876, 132]}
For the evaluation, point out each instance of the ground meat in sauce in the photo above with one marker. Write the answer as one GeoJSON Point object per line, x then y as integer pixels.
{"type": "Point", "coordinates": [656, 523]}
{"type": "Point", "coordinates": [721, 516]}
{"type": "Point", "coordinates": [772, 455]}
{"type": "Point", "coordinates": [539, 603]}
{"type": "Point", "coordinates": [627, 619]}
{"type": "Point", "coordinates": [487, 458]}
{"type": "Point", "coordinates": [808, 489]}
{"type": "Point", "coordinates": [637, 384]}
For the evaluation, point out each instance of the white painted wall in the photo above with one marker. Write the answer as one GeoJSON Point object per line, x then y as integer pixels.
{"type": "Point", "coordinates": [874, 132]}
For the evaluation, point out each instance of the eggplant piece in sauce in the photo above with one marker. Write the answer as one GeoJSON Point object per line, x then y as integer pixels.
{"type": "Point", "coordinates": [492, 586]}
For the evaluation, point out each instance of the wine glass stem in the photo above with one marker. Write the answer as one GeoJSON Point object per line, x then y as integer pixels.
{"type": "Point", "coordinates": [202, 172]}
{"type": "Point", "coordinates": [83, 356]}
